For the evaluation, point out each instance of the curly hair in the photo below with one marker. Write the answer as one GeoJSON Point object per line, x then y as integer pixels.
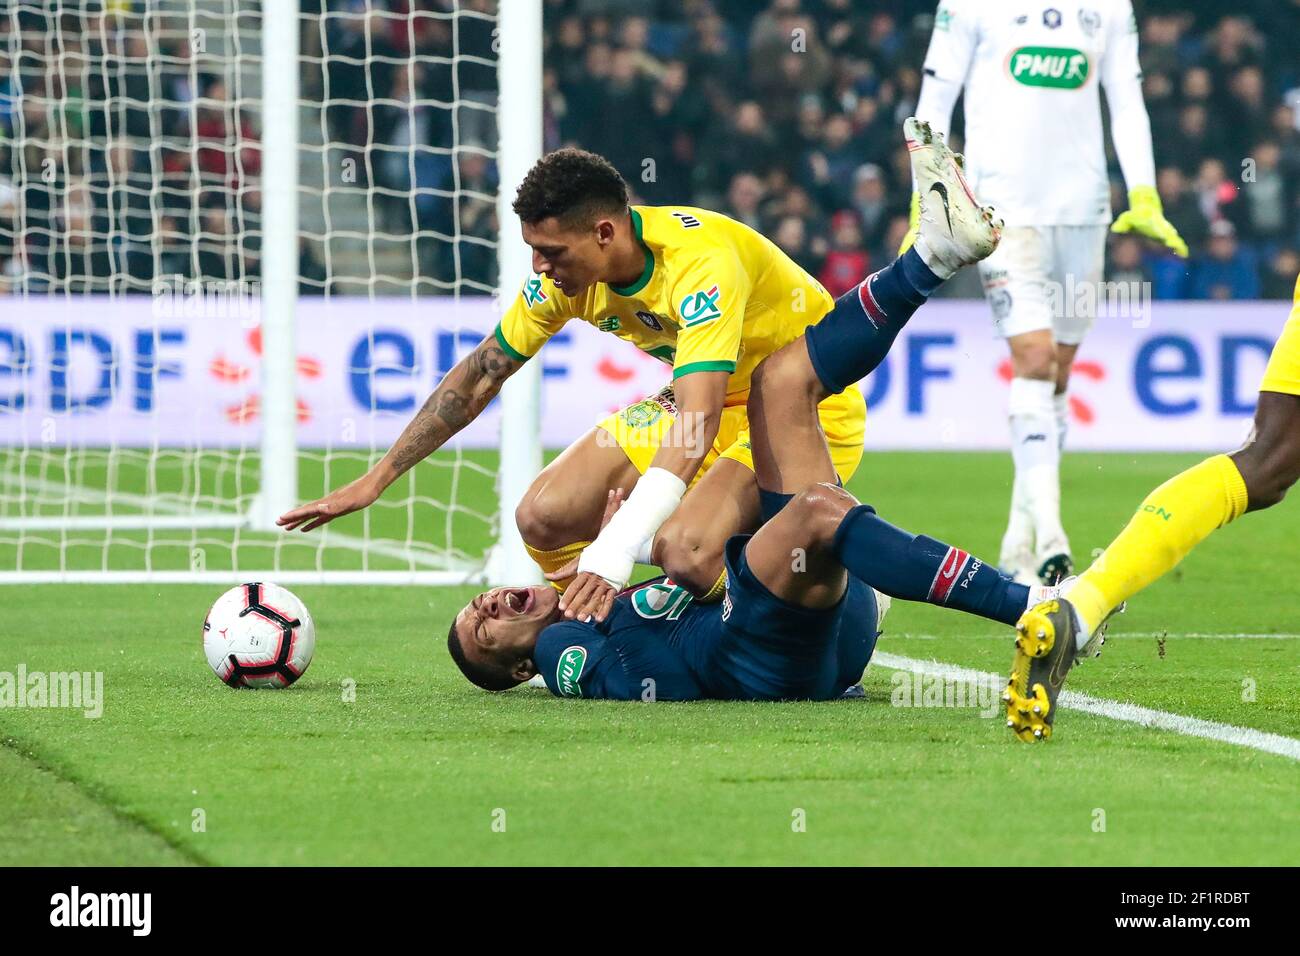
{"type": "Point", "coordinates": [573, 185]}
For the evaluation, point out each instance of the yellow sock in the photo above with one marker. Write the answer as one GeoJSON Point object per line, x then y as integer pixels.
{"type": "Point", "coordinates": [550, 561]}
{"type": "Point", "coordinates": [715, 593]}
{"type": "Point", "coordinates": [1174, 518]}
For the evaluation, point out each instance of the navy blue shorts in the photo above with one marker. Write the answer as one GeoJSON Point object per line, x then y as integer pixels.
{"type": "Point", "coordinates": [770, 649]}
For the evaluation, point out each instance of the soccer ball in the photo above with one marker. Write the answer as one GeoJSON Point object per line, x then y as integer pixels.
{"type": "Point", "coordinates": [259, 635]}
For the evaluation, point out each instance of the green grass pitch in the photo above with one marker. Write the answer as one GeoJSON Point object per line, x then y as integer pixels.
{"type": "Point", "coordinates": [421, 768]}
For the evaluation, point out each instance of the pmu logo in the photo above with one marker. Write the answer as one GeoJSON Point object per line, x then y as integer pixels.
{"type": "Point", "coordinates": [1053, 67]}
{"type": "Point", "coordinates": [700, 307]}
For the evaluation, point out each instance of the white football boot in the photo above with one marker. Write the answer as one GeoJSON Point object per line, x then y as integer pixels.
{"type": "Point", "coordinates": [955, 230]}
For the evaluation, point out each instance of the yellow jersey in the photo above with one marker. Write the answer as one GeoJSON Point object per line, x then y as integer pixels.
{"type": "Point", "coordinates": [1283, 372]}
{"type": "Point", "coordinates": [714, 296]}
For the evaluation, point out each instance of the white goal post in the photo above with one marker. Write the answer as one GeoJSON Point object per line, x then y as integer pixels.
{"type": "Point", "coordinates": [350, 226]}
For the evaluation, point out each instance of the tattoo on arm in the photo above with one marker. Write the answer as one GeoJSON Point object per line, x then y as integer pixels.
{"type": "Point", "coordinates": [495, 364]}
{"type": "Point", "coordinates": [456, 402]}
{"type": "Point", "coordinates": [454, 409]}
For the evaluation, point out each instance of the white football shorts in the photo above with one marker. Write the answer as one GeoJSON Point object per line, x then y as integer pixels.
{"type": "Point", "coordinates": [1045, 277]}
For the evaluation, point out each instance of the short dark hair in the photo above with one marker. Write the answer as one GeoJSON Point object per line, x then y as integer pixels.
{"type": "Point", "coordinates": [573, 185]}
{"type": "Point", "coordinates": [480, 675]}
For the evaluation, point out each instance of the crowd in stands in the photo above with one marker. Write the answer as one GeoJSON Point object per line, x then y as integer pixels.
{"type": "Point", "coordinates": [133, 159]}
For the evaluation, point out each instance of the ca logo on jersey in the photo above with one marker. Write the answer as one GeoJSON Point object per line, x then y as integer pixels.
{"type": "Point", "coordinates": [533, 291]}
{"type": "Point", "coordinates": [567, 672]}
{"type": "Point", "coordinates": [1054, 67]}
{"type": "Point", "coordinates": [700, 307]}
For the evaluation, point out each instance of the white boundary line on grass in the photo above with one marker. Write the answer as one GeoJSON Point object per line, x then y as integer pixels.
{"type": "Point", "coordinates": [1114, 709]}
{"type": "Point", "coordinates": [1111, 636]}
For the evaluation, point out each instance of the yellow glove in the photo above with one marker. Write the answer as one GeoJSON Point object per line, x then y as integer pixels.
{"type": "Point", "coordinates": [913, 223]}
{"type": "Point", "coordinates": [1146, 216]}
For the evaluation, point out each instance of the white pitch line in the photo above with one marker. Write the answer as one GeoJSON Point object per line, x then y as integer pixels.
{"type": "Point", "coordinates": [1113, 709]}
{"type": "Point", "coordinates": [1111, 636]}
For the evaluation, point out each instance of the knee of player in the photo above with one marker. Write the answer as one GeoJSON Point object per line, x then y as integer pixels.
{"type": "Point", "coordinates": [820, 510]}
{"type": "Point", "coordinates": [541, 524]}
{"type": "Point", "coordinates": [785, 372]}
{"type": "Point", "coordinates": [1035, 360]}
{"type": "Point", "coordinates": [688, 559]}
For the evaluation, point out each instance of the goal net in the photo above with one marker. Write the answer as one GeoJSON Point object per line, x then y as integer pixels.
{"type": "Point", "coordinates": [240, 243]}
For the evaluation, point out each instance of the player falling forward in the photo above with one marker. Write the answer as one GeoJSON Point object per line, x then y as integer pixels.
{"type": "Point", "coordinates": [704, 294]}
{"type": "Point", "coordinates": [1172, 520]}
{"type": "Point", "coordinates": [800, 616]}
{"type": "Point", "coordinates": [1034, 144]}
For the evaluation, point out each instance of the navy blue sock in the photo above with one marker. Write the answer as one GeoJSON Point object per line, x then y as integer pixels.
{"type": "Point", "coordinates": [772, 502]}
{"type": "Point", "coordinates": [917, 568]}
{"type": "Point", "coordinates": [855, 336]}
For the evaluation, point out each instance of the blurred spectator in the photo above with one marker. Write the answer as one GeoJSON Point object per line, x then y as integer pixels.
{"type": "Point", "coordinates": [1226, 270]}
{"type": "Point", "coordinates": [128, 150]}
{"type": "Point", "coordinates": [743, 198]}
{"type": "Point", "coordinates": [1268, 206]}
{"type": "Point", "coordinates": [1182, 206]}
{"type": "Point", "coordinates": [1280, 275]}
{"type": "Point", "coordinates": [847, 262]}
{"type": "Point", "coordinates": [1126, 262]}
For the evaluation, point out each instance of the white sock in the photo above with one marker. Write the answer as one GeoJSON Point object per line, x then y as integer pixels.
{"type": "Point", "coordinates": [1037, 456]}
{"type": "Point", "coordinates": [1018, 539]}
{"type": "Point", "coordinates": [932, 262]}
{"type": "Point", "coordinates": [1062, 405]}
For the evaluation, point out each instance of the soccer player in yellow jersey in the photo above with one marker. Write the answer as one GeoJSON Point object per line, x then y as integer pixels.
{"type": "Point", "coordinates": [1172, 520]}
{"type": "Point", "coordinates": [706, 295]}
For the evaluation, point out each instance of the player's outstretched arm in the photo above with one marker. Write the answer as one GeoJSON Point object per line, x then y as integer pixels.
{"type": "Point", "coordinates": [459, 398]}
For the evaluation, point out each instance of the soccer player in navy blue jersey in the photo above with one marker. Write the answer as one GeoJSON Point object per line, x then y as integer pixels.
{"type": "Point", "coordinates": [803, 604]}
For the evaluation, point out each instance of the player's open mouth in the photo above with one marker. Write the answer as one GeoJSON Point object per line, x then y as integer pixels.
{"type": "Point", "coordinates": [519, 600]}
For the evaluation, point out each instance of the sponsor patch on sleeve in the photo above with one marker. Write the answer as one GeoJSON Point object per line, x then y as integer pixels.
{"type": "Point", "coordinates": [569, 670]}
{"type": "Point", "coordinates": [700, 307]}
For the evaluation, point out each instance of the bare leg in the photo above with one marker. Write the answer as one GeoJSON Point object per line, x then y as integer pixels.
{"type": "Point", "coordinates": [690, 544]}
{"type": "Point", "coordinates": [791, 554]}
{"type": "Point", "coordinates": [566, 501]}
{"type": "Point", "coordinates": [1270, 461]}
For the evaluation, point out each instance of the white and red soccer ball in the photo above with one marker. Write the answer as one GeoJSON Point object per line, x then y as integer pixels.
{"type": "Point", "coordinates": [259, 635]}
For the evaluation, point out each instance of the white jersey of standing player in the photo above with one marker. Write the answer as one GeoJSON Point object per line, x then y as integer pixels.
{"type": "Point", "coordinates": [1032, 73]}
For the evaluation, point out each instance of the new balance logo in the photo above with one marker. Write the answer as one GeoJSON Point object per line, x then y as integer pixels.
{"type": "Point", "coordinates": [726, 605]}
{"type": "Point", "coordinates": [687, 221]}
{"type": "Point", "coordinates": [1036, 436]}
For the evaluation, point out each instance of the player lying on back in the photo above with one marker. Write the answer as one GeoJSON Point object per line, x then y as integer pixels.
{"type": "Point", "coordinates": [707, 296]}
{"type": "Point", "coordinates": [800, 616]}
{"type": "Point", "coordinates": [1172, 520]}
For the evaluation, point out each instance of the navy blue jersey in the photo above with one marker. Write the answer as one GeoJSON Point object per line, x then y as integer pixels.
{"type": "Point", "coordinates": [657, 644]}
{"type": "Point", "coordinates": [640, 651]}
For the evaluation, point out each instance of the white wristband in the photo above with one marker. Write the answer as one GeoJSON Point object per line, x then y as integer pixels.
{"type": "Point", "coordinates": [616, 549]}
